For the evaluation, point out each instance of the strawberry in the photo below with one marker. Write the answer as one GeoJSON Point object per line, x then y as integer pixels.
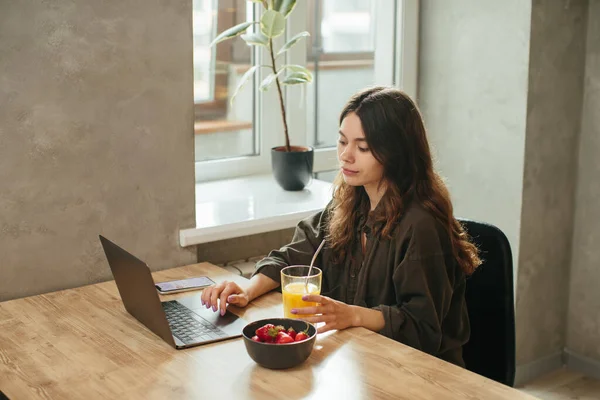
{"type": "Point", "coordinates": [283, 337]}
{"type": "Point", "coordinates": [291, 332]}
{"type": "Point", "coordinates": [302, 335]}
{"type": "Point", "coordinates": [256, 338]}
{"type": "Point", "coordinates": [280, 328]}
{"type": "Point", "coordinates": [267, 333]}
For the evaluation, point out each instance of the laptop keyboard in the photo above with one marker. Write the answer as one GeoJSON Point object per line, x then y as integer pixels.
{"type": "Point", "coordinates": [188, 326]}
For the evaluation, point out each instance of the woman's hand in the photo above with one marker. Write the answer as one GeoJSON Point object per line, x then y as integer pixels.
{"type": "Point", "coordinates": [335, 314]}
{"type": "Point", "coordinates": [219, 295]}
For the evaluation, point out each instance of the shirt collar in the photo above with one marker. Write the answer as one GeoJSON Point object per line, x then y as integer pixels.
{"type": "Point", "coordinates": [367, 220]}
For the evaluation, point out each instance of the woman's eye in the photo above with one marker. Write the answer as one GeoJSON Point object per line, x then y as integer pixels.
{"type": "Point", "coordinates": [363, 149]}
{"type": "Point", "coordinates": [341, 142]}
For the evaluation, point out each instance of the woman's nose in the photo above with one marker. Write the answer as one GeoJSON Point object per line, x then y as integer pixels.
{"type": "Point", "coordinates": [346, 155]}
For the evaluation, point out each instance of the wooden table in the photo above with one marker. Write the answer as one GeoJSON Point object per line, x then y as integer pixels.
{"type": "Point", "coordinates": [82, 344]}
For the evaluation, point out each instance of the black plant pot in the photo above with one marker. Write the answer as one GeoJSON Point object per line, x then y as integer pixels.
{"type": "Point", "coordinates": [292, 169]}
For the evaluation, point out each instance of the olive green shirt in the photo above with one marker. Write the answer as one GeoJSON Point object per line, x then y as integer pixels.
{"type": "Point", "coordinates": [412, 278]}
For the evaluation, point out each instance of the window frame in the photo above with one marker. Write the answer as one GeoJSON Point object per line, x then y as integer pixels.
{"type": "Point", "coordinates": [402, 53]}
{"type": "Point", "coordinates": [325, 56]}
{"type": "Point", "coordinates": [217, 107]}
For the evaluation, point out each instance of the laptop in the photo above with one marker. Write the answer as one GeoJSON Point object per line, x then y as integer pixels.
{"type": "Point", "coordinates": [182, 323]}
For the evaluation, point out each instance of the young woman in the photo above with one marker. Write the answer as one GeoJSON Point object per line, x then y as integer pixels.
{"type": "Point", "coordinates": [395, 258]}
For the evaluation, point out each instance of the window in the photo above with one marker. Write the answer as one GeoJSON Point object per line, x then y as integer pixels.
{"type": "Point", "coordinates": [222, 129]}
{"type": "Point", "coordinates": [345, 30]}
{"type": "Point", "coordinates": [203, 17]}
{"type": "Point", "coordinates": [342, 59]}
{"type": "Point", "coordinates": [353, 44]}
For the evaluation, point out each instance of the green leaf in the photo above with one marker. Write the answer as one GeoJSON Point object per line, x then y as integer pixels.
{"type": "Point", "coordinates": [268, 81]}
{"type": "Point", "coordinates": [243, 81]}
{"type": "Point", "coordinates": [293, 81]}
{"type": "Point", "coordinates": [256, 38]}
{"type": "Point", "coordinates": [292, 42]}
{"type": "Point", "coordinates": [272, 24]}
{"type": "Point", "coordinates": [232, 32]}
{"type": "Point", "coordinates": [285, 7]}
{"type": "Point", "coordinates": [298, 71]}
{"type": "Point", "coordinates": [296, 68]}
{"type": "Point", "coordinates": [296, 78]}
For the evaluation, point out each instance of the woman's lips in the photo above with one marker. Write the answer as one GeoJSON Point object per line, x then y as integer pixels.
{"type": "Point", "coordinates": [349, 172]}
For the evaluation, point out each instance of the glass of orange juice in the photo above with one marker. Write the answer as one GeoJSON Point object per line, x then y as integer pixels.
{"type": "Point", "coordinates": [294, 285]}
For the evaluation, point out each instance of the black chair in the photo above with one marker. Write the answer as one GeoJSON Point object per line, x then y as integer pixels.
{"type": "Point", "coordinates": [490, 302]}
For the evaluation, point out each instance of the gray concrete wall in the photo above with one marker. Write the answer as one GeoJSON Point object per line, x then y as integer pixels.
{"type": "Point", "coordinates": [96, 137]}
{"type": "Point", "coordinates": [473, 94]}
{"type": "Point", "coordinates": [584, 306]}
{"type": "Point", "coordinates": [501, 88]}
{"type": "Point", "coordinates": [556, 67]}
{"type": "Point", "coordinates": [243, 248]}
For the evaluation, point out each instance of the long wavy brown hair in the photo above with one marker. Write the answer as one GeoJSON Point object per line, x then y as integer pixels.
{"type": "Point", "coordinates": [396, 136]}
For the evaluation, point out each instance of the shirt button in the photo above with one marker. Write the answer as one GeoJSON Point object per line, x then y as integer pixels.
{"type": "Point", "coordinates": [353, 275]}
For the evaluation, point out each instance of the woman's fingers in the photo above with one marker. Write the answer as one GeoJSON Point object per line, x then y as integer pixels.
{"type": "Point", "coordinates": [217, 296]}
{"type": "Point", "coordinates": [214, 296]}
{"type": "Point", "coordinates": [206, 296]}
{"type": "Point", "coordinates": [320, 309]}
{"type": "Point", "coordinates": [315, 298]}
{"type": "Point", "coordinates": [327, 318]}
{"type": "Point", "coordinates": [230, 288]}
{"type": "Point", "coordinates": [326, 328]}
{"type": "Point", "coordinates": [308, 310]}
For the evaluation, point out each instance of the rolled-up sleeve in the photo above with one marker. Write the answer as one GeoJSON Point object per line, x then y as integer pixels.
{"type": "Point", "coordinates": [308, 235]}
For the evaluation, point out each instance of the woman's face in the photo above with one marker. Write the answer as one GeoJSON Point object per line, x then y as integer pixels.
{"type": "Point", "coordinates": [358, 165]}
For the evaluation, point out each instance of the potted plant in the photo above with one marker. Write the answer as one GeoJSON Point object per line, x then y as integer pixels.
{"type": "Point", "coordinates": [292, 165]}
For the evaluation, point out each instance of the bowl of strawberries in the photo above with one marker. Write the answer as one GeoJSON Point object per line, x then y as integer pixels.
{"type": "Point", "coordinates": [279, 343]}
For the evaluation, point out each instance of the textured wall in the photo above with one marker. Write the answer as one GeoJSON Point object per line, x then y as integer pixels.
{"type": "Point", "coordinates": [95, 137]}
{"type": "Point", "coordinates": [245, 247]}
{"type": "Point", "coordinates": [557, 59]}
{"type": "Point", "coordinates": [473, 94]}
{"type": "Point", "coordinates": [584, 306]}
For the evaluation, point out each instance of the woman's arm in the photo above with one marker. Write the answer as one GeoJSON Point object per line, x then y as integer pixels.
{"type": "Point", "coordinates": [308, 235]}
{"type": "Point", "coordinates": [259, 285]}
{"type": "Point", "coordinates": [423, 301]}
{"type": "Point", "coordinates": [338, 315]}
{"type": "Point", "coordinates": [219, 295]}
{"type": "Point", "coordinates": [368, 318]}
{"type": "Point", "coordinates": [266, 277]}
{"type": "Point", "coordinates": [424, 287]}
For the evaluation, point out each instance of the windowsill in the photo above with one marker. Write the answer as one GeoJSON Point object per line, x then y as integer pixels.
{"type": "Point", "coordinates": [213, 126]}
{"type": "Point", "coordinates": [249, 205]}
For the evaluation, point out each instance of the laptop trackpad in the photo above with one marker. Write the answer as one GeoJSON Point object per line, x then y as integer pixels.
{"type": "Point", "coordinates": [230, 322]}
